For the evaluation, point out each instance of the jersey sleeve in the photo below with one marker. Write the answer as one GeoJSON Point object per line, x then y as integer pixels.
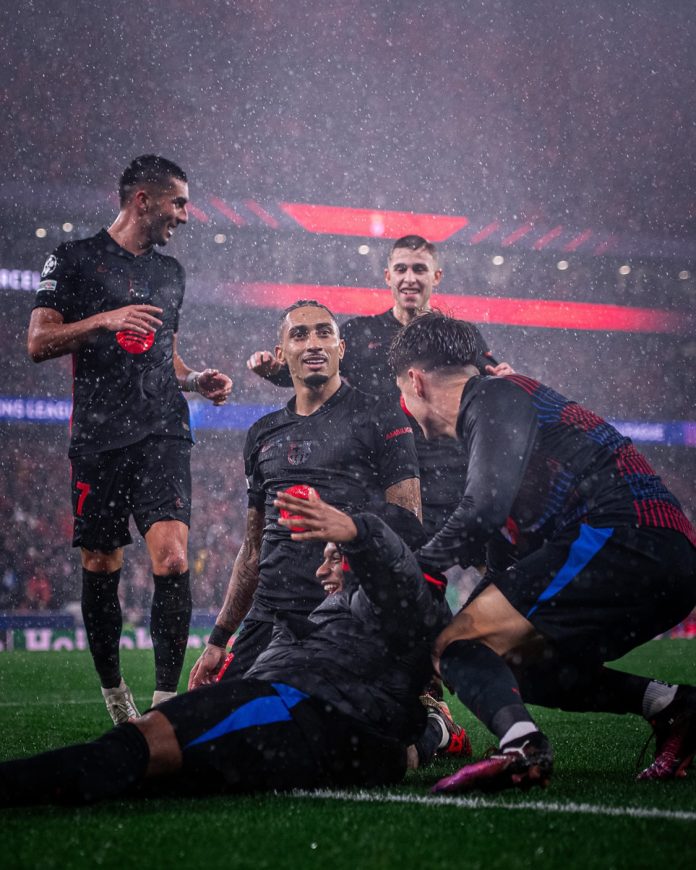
{"type": "Point", "coordinates": [281, 378]}
{"type": "Point", "coordinates": [392, 583]}
{"type": "Point", "coordinates": [59, 285]}
{"type": "Point", "coordinates": [395, 446]}
{"type": "Point", "coordinates": [256, 496]}
{"type": "Point", "coordinates": [500, 426]}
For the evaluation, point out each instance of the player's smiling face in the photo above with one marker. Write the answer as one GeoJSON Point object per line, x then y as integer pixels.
{"type": "Point", "coordinates": [311, 346]}
{"type": "Point", "coordinates": [330, 572]}
{"type": "Point", "coordinates": [411, 277]}
{"type": "Point", "coordinates": [166, 209]}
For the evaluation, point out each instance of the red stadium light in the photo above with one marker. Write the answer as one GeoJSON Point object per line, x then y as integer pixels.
{"type": "Point", "coordinates": [339, 221]}
{"type": "Point", "coordinates": [226, 210]}
{"type": "Point", "coordinates": [198, 213]}
{"type": "Point", "coordinates": [546, 313]}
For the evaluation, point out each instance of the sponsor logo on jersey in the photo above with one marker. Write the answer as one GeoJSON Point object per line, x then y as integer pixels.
{"type": "Point", "coordinates": [298, 452]}
{"type": "Point", "coordinates": [46, 285]}
{"type": "Point", "coordinates": [49, 266]}
{"type": "Point", "coordinates": [135, 342]}
{"type": "Point", "coordinates": [101, 268]}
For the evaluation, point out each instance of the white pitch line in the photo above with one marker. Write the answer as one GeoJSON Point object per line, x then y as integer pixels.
{"type": "Point", "coordinates": [52, 702]}
{"type": "Point", "coordinates": [478, 803]}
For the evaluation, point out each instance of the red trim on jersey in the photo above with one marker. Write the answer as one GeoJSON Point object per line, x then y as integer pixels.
{"type": "Point", "coordinates": [404, 430]}
{"type": "Point", "coordinates": [441, 584]}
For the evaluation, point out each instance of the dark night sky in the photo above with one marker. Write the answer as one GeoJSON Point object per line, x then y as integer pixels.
{"type": "Point", "coordinates": [542, 109]}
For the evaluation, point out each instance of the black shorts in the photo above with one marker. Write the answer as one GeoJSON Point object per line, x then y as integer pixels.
{"type": "Point", "coordinates": [150, 480]}
{"type": "Point", "coordinates": [253, 735]}
{"type": "Point", "coordinates": [598, 593]}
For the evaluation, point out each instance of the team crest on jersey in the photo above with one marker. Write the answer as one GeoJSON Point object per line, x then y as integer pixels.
{"type": "Point", "coordinates": [298, 452]}
{"type": "Point", "coordinates": [49, 266]}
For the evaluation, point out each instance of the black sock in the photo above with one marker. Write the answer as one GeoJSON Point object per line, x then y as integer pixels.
{"type": "Point", "coordinates": [169, 627]}
{"type": "Point", "coordinates": [429, 742]}
{"type": "Point", "coordinates": [572, 686]}
{"type": "Point", "coordinates": [101, 612]}
{"type": "Point", "coordinates": [485, 684]}
{"type": "Point", "coordinates": [82, 773]}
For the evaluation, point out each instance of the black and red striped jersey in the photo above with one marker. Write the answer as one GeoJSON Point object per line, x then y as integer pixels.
{"type": "Point", "coordinates": [539, 463]}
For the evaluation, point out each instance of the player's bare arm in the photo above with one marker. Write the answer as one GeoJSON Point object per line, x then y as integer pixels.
{"type": "Point", "coordinates": [238, 599]}
{"type": "Point", "coordinates": [407, 494]}
{"type": "Point", "coordinates": [264, 363]}
{"type": "Point", "coordinates": [212, 384]}
{"type": "Point", "coordinates": [50, 337]}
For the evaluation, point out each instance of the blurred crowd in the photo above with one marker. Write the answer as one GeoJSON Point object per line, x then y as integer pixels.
{"type": "Point", "coordinates": [38, 568]}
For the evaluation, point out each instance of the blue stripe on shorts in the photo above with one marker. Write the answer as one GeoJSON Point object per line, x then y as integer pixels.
{"type": "Point", "coordinates": [588, 543]}
{"type": "Point", "coordinates": [260, 711]}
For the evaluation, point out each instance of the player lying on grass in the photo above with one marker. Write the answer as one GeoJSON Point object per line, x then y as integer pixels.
{"type": "Point", "coordinates": [601, 558]}
{"type": "Point", "coordinates": [333, 701]}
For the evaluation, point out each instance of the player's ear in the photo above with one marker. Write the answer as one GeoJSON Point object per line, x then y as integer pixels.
{"type": "Point", "coordinates": [141, 200]}
{"type": "Point", "coordinates": [279, 354]}
{"type": "Point", "coordinates": [417, 381]}
{"type": "Point", "coordinates": [438, 277]}
{"type": "Point", "coordinates": [341, 348]}
{"type": "Point", "coordinates": [387, 277]}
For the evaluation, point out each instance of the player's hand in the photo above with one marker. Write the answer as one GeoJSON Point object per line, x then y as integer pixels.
{"type": "Point", "coordinates": [319, 520]}
{"type": "Point", "coordinates": [264, 364]}
{"type": "Point", "coordinates": [214, 385]}
{"type": "Point", "coordinates": [137, 318]}
{"type": "Point", "coordinates": [206, 668]}
{"type": "Point", "coordinates": [502, 368]}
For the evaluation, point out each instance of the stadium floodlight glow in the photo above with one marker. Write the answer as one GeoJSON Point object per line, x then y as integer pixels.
{"type": "Point", "coordinates": [562, 265]}
{"type": "Point", "coordinates": [67, 227]}
{"type": "Point", "coordinates": [684, 275]}
{"type": "Point", "coordinates": [40, 233]}
{"type": "Point", "coordinates": [497, 260]}
{"type": "Point", "coordinates": [364, 250]}
{"type": "Point", "coordinates": [219, 238]}
{"type": "Point", "coordinates": [625, 269]}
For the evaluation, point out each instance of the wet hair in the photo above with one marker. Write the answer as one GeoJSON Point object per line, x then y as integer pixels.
{"type": "Point", "coordinates": [434, 341]}
{"type": "Point", "coordinates": [305, 303]}
{"type": "Point", "coordinates": [147, 169]}
{"type": "Point", "coordinates": [414, 243]}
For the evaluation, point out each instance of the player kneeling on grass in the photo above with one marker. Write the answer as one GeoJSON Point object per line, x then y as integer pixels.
{"type": "Point", "coordinates": [601, 558]}
{"type": "Point", "coordinates": [333, 700]}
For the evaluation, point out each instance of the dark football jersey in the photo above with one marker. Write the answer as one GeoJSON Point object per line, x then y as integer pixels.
{"type": "Point", "coordinates": [351, 450]}
{"type": "Point", "coordinates": [365, 366]}
{"type": "Point", "coordinates": [539, 464]}
{"type": "Point", "coordinates": [124, 385]}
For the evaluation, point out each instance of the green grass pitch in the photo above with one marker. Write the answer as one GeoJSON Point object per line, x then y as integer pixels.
{"type": "Point", "coordinates": [592, 816]}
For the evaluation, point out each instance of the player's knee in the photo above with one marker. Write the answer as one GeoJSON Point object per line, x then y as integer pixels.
{"type": "Point", "coordinates": [170, 563]}
{"type": "Point", "coordinates": [102, 563]}
{"type": "Point", "coordinates": [164, 750]}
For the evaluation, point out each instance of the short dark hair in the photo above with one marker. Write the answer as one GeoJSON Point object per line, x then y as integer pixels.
{"type": "Point", "coordinates": [434, 341]}
{"type": "Point", "coordinates": [414, 243]}
{"type": "Point", "coordinates": [306, 303]}
{"type": "Point", "coordinates": [147, 169]}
